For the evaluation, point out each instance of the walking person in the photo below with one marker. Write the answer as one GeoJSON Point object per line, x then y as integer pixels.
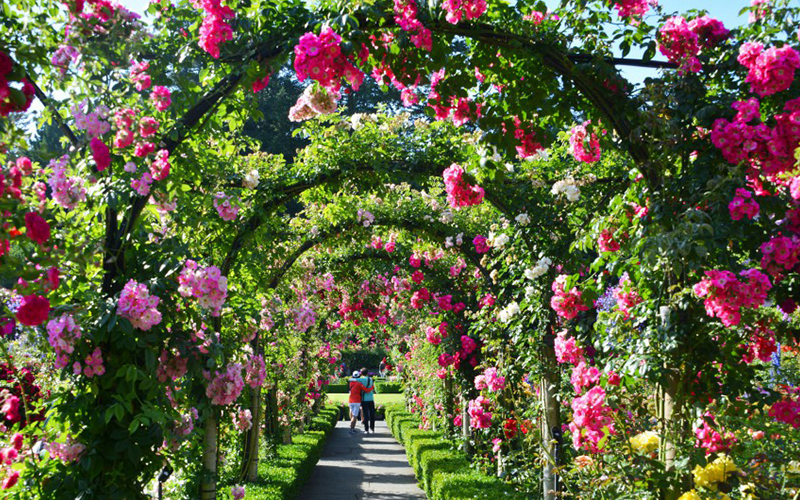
{"type": "Point", "coordinates": [356, 389]}
{"type": "Point", "coordinates": [367, 400]}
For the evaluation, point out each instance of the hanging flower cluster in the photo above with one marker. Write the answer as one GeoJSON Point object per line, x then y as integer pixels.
{"type": "Point", "coordinates": [214, 29]}
{"type": "Point", "coordinates": [457, 10]}
{"type": "Point", "coordinates": [27, 92]}
{"type": "Point", "coordinates": [606, 241]}
{"type": "Point", "coordinates": [459, 192]}
{"type": "Point", "coordinates": [633, 9]}
{"type": "Point", "coordinates": [591, 420]}
{"type": "Point", "coordinates": [780, 254]}
{"type": "Point", "coordinates": [255, 371]}
{"type": "Point", "coordinates": [725, 295]}
{"type": "Point", "coordinates": [320, 58]}
{"type": "Point", "coordinates": [33, 310]}
{"type": "Point", "coordinates": [405, 15]}
{"type": "Point", "coordinates": [479, 415]}
{"type": "Point", "coordinates": [627, 298]}
{"type": "Point", "coordinates": [481, 245]}
{"type": "Point", "coordinates": [227, 210]}
{"type": "Point", "coordinates": [786, 411]}
{"type": "Point", "coordinates": [680, 41]}
{"type": "Point", "coordinates": [171, 366]}
{"type": "Point", "coordinates": [768, 151]}
{"type": "Point", "coordinates": [206, 284]}
{"type": "Point", "coordinates": [315, 100]}
{"type": "Point", "coordinates": [710, 439]}
{"type": "Point", "coordinates": [243, 420]}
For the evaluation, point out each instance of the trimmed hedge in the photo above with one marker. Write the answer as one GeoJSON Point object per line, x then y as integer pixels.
{"type": "Point", "coordinates": [337, 388]}
{"type": "Point", "coordinates": [380, 386]}
{"type": "Point", "coordinates": [388, 387]}
{"type": "Point", "coordinates": [443, 472]}
{"type": "Point", "coordinates": [282, 476]}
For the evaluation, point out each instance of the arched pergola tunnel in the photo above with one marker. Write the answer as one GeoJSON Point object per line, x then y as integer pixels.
{"type": "Point", "coordinates": [494, 196]}
{"type": "Point", "coordinates": [536, 74]}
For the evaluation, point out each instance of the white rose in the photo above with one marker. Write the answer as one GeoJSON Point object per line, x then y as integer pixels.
{"type": "Point", "coordinates": [251, 179]}
{"type": "Point", "coordinates": [523, 219]}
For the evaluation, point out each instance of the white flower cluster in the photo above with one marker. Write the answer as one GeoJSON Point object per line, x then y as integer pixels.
{"type": "Point", "coordinates": [568, 187]}
{"type": "Point", "coordinates": [498, 240]}
{"type": "Point", "coordinates": [509, 312]}
{"type": "Point", "coordinates": [539, 269]}
{"type": "Point", "coordinates": [358, 120]}
{"type": "Point", "coordinates": [250, 180]}
{"type": "Point", "coordinates": [448, 243]}
{"type": "Point", "coordinates": [523, 219]}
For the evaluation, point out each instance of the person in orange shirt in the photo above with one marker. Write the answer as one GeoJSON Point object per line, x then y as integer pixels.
{"type": "Point", "coordinates": [355, 401]}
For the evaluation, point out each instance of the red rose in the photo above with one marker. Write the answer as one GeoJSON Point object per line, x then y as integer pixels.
{"type": "Point", "coordinates": [24, 164]}
{"type": "Point", "coordinates": [38, 228]}
{"type": "Point", "coordinates": [100, 153]}
{"type": "Point", "coordinates": [53, 278]}
{"type": "Point", "coordinates": [34, 310]}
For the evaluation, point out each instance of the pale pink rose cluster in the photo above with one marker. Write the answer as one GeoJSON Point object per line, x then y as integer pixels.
{"type": "Point", "coordinates": [138, 306]}
{"type": "Point", "coordinates": [255, 371]}
{"type": "Point", "coordinates": [315, 100]}
{"type": "Point", "coordinates": [67, 191]}
{"type": "Point", "coordinates": [243, 420]}
{"type": "Point", "coordinates": [490, 379]}
{"type": "Point", "coordinates": [68, 451]}
{"type": "Point", "coordinates": [226, 385]}
{"type": "Point", "coordinates": [206, 284]}
{"type": "Point", "coordinates": [227, 210]}
{"type": "Point", "coordinates": [62, 333]}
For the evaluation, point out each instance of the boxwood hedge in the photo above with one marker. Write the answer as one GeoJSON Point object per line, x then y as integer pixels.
{"type": "Point", "coordinates": [282, 476]}
{"type": "Point", "coordinates": [443, 471]}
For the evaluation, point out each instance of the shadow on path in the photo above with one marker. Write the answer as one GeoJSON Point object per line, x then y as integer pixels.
{"type": "Point", "coordinates": [362, 467]}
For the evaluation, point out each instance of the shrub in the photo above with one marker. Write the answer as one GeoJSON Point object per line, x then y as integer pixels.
{"type": "Point", "coordinates": [388, 387]}
{"type": "Point", "coordinates": [338, 388]}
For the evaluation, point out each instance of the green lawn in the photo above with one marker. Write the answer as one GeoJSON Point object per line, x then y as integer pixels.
{"type": "Point", "coordinates": [380, 399]}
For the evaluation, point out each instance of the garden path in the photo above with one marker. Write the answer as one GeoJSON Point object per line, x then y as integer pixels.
{"type": "Point", "coordinates": [362, 467]}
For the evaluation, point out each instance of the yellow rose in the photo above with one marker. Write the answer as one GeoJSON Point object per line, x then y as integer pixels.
{"type": "Point", "coordinates": [713, 473]}
{"type": "Point", "coordinates": [645, 442]}
{"type": "Point", "coordinates": [690, 495]}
